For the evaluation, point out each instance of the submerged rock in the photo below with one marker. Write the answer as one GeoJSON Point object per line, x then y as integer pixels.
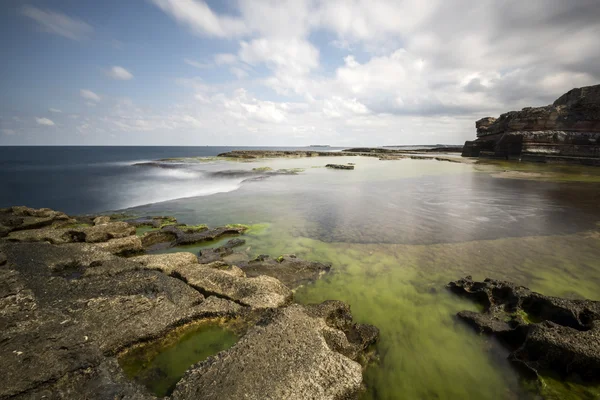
{"type": "Point", "coordinates": [298, 352]}
{"type": "Point", "coordinates": [545, 334]}
{"type": "Point", "coordinates": [339, 166]}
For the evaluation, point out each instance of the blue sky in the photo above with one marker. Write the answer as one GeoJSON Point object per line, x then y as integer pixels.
{"type": "Point", "coordinates": [295, 72]}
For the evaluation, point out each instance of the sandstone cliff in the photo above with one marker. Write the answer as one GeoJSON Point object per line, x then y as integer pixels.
{"type": "Point", "coordinates": [567, 131]}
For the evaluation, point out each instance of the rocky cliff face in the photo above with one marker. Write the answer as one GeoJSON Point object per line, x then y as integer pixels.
{"type": "Point", "coordinates": [567, 131]}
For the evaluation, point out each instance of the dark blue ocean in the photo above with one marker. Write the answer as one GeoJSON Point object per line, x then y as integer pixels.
{"type": "Point", "coordinates": [78, 179]}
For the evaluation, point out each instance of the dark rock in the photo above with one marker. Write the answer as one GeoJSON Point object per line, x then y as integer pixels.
{"type": "Point", "coordinates": [546, 334]}
{"type": "Point", "coordinates": [290, 270]}
{"type": "Point", "coordinates": [567, 131]}
{"type": "Point", "coordinates": [234, 243]}
{"type": "Point", "coordinates": [177, 235]}
{"type": "Point", "coordinates": [339, 166]}
{"type": "Point", "coordinates": [154, 222]}
{"type": "Point", "coordinates": [2, 258]}
{"type": "Point", "coordinates": [299, 343]}
{"type": "Point", "coordinates": [19, 218]}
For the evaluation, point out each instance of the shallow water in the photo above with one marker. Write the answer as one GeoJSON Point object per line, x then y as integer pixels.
{"type": "Point", "coordinates": [396, 232]}
{"type": "Point", "coordinates": [159, 365]}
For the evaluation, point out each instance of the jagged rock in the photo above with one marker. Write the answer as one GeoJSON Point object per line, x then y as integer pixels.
{"type": "Point", "coordinates": [89, 234]}
{"type": "Point", "coordinates": [154, 222]}
{"type": "Point", "coordinates": [103, 220]}
{"type": "Point", "coordinates": [545, 333]}
{"type": "Point", "coordinates": [2, 258]}
{"type": "Point", "coordinates": [290, 270]}
{"type": "Point", "coordinates": [566, 131]}
{"type": "Point", "coordinates": [302, 346]}
{"type": "Point", "coordinates": [166, 263]}
{"type": "Point", "coordinates": [19, 218]}
{"type": "Point", "coordinates": [339, 166]}
{"type": "Point", "coordinates": [258, 292]}
{"type": "Point", "coordinates": [178, 235]}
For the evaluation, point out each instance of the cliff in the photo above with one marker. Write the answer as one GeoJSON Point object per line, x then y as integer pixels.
{"type": "Point", "coordinates": [568, 131]}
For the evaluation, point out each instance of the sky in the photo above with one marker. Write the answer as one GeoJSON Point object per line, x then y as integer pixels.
{"type": "Point", "coordinates": [283, 72]}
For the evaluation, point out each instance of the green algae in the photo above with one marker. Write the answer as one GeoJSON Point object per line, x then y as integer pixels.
{"type": "Point", "coordinates": [193, 228]}
{"type": "Point", "coordinates": [262, 169]}
{"type": "Point", "coordinates": [539, 172]}
{"type": "Point", "coordinates": [160, 364]}
{"type": "Point", "coordinates": [240, 226]}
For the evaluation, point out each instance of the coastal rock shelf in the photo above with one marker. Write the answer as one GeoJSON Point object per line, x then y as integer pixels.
{"type": "Point", "coordinates": [568, 131]}
{"type": "Point", "coordinates": [70, 307]}
{"type": "Point", "coordinates": [545, 334]}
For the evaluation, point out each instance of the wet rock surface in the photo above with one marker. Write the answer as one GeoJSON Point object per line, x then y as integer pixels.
{"type": "Point", "coordinates": [339, 166]}
{"type": "Point", "coordinates": [178, 235]}
{"type": "Point", "coordinates": [68, 307]}
{"type": "Point", "coordinates": [308, 349]}
{"type": "Point", "coordinates": [545, 334]}
{"type": "Point", "coordinates": [289, 269]}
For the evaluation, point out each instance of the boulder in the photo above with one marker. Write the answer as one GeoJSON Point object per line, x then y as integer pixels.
{"type": "Point", "coordinates": [544, 333]}
{"type": "Point", "coordinates": [77, 234]}
{"type": "Point", "coordinates": [298, 352]}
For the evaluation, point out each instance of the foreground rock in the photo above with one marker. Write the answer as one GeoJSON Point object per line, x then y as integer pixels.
{"type": "Point", "coordinates": [69, 305]}
{"type": "Point", "coordinates": [545, 334]}
{"type": "Point", "coordinates": [568, 131]}
{"type": "Point", "coordinates": [339, 166]}
{"type": "Point", "coordinates": [178, 235]}
{"type": "Point", "coordinates": [299, 352]}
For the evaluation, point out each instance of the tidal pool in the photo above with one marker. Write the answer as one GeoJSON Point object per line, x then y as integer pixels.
{"type": "Point", "coordinates": [396, 232]}
{"type": "Point", "coordinates": [160, 364]}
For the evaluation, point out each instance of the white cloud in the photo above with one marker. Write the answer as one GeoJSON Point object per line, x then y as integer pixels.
{"type": "Point", "coordinates": [196, 15]}
{"type": "Point", "coordinates": [44, 121]}
{"type": "Point", "coordinates": [238, 72]}
{"type": "Point", "coordinates": [225, 58]}
{"type": "Point", "coordinates": [9, 132]}
{"type": "Point", "coordinates": [54, 110]}
{"type": "Point", "coordinates": [197, 64]}
{"type": "Point", "coordinates": [119, 73]}
{"type": "Point", "coordinates": [58, 23]}
{"type": "Point", "coordinates": [89, 95]}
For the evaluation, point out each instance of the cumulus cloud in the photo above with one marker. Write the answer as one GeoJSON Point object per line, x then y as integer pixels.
{"type": "Point", "coordinates": [371, 71]}
{"type": "Point", "coordinates": [54, 110]}
{"type": "Point", "coordinates": [89, 95]}
{"type": "Point", "coordinates": [58, 23]}
{"type": "Point", "coordinates": [119, 73]}
{"type": "Point", "coordinates": [44, 121]}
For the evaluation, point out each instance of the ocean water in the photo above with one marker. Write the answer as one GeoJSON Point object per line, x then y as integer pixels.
{"type": "Point", "coordinates": [395, 232]}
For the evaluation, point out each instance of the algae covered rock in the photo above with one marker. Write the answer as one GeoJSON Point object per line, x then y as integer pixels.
{"type": "Point", "coordinates": [545, 334]}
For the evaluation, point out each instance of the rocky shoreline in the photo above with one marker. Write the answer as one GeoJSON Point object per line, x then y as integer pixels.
{"type": "Point", "coordinates": [71, 303]}
{"type": "Point", "coordinates": [566, 132]}
{"type": "Point", "coordinates": [380, 153]}
{"type": "Point", "coordinates": [545, 335]}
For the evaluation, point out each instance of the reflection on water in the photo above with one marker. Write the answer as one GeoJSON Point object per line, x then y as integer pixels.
{"type": "Point", "coordinates": [396, 232]}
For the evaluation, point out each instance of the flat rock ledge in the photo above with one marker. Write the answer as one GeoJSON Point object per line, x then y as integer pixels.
{"type": "Point", "coordinates": [70, 304]}
{"type": "Point", "coordinates": [545, 334]}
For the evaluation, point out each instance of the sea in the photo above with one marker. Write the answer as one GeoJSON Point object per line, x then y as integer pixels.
{"type": "Point", "coordinates": [395, 231]}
